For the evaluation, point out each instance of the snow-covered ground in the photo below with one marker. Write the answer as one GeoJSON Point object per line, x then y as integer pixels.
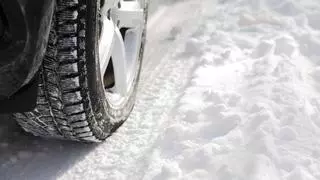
{"type": "Point", "coordinates": [230, 91]}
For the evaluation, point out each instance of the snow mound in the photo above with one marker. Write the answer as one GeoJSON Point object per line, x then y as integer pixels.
{"type": "Point", "coordinates": [251, 108]}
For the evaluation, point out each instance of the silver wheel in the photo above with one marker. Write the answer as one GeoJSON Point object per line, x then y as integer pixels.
{"type": "Point", "coordinates": [122, 25]}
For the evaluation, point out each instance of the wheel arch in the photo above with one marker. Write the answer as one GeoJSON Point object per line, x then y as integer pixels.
{"type": "Point", "coordinates": [23, 47]}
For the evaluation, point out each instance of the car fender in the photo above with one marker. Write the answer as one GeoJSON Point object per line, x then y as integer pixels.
{"type": "Point", "coordinates": [22, 48]}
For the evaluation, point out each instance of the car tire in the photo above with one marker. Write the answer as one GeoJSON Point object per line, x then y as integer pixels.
{"type": "Point", "coordinates": [72, 102]}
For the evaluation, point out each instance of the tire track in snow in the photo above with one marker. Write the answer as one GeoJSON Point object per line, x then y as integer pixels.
{"type": "Point", "coordinates": [125, 154]}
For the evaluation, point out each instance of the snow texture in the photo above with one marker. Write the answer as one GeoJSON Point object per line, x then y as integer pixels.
{"type": "Point", "coordinates": [230, 90]}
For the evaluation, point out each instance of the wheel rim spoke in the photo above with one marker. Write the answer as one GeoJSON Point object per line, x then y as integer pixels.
{"type": "Point", "coordinates": [106, 43]}
{"type": "Point", "coordinates": [119, 64]}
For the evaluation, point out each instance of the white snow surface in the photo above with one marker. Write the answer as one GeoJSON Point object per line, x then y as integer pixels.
{"type": "Point", "coordinates": [230, 90]}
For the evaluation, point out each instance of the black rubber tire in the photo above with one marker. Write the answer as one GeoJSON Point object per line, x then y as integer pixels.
{"type": "Point", "coordinates": [71, 101]}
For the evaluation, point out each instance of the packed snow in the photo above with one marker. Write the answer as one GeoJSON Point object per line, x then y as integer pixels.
{"type": "Point", "coordinates": [230, 90]}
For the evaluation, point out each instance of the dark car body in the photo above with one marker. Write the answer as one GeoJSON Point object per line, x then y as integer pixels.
{"type": "Point", "coordinates": [24, 31]}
